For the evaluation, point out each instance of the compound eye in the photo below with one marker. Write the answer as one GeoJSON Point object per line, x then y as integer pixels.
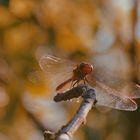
{"type": "Point", "coordinates": [82, 65]}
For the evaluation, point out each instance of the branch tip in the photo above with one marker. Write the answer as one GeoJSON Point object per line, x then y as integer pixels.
{"type": "Point", "coordinates": [49, 135]}
{"type": "Point", "coordinates": [89, 100]}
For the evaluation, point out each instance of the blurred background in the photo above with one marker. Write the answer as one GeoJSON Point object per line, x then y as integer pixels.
{"type": "Point", "coordinates": [103, 32]}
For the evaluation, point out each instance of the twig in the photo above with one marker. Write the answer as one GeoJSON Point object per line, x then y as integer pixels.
{"type": "Point", "coordinates": [89, 99]}
{"type": "Point", "coordinates": [70, 94]}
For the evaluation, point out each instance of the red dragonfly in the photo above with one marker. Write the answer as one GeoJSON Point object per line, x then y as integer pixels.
{"type": "Point", "coordinates": [65, 74]}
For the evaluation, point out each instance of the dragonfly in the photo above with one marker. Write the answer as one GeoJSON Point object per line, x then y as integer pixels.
{"type": "Point", "coordinates": [65, 74]}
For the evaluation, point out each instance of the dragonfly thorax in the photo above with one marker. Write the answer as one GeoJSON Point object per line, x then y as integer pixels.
{"type": "Point", "coordinates": [82, 70]}
{"type": "Point", "coordinates": [85, 68]}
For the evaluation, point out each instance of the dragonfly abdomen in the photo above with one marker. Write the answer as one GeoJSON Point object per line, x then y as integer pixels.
{"type": "Point", "coordinates": [63, 84]}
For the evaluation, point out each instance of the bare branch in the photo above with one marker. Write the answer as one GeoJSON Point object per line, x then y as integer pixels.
{"type": "Point", "coordinates": [89, 99]}
{"type": "Point", "coordinates": [70, 94]}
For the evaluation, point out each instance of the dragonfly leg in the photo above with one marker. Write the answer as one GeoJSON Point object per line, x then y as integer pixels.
{"type": "Point", "coordinates": [71, 85]}
{"type": "Point", "coordinates": [76, 82]}
{"type": "Point", "coordinates": [86, 80]}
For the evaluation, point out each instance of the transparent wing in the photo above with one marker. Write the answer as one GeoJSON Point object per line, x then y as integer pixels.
{"type": "Point", "coordinates": [132, 91]}
{"type": "Point", "coordinates": [56, 69]}
{"type": "Point", "coordinates": [109, 97]}
{"type": "Point", "coordinates": [115, 85]}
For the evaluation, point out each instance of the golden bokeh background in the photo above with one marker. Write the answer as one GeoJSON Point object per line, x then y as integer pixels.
{"type": "Point", "coordinates": [103, 32]}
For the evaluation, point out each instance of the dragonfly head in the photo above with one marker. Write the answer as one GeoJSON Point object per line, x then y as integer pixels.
{"type": "Point", "coordinates": [85, 68]}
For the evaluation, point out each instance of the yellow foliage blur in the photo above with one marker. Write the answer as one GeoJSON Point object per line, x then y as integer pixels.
{"type": "Point", "coordinates": [21, 8]}
{"type": "Point", "coordinates": [104, 32]}
{"type": "Point", "coordinates": [6, 18]}
{"type": "Point", "coordinates": [23, 36]}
